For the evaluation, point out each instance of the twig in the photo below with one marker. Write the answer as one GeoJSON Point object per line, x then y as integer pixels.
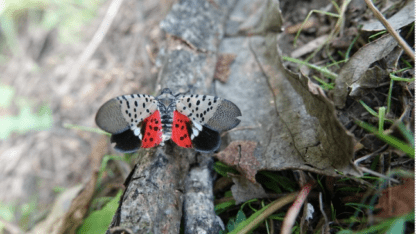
{"type": "Point", "coordinates": [321, 207]}
{"type": "Point", "coordinates": [364, 169]}
{"type": "Point", "coordinates": [363, 158]}
{"type": "Point", "coordinates": [290, 217]}
{"type": "Point", "coordinates": [391, 30]}
{"type": "Point", "coordinates": [358, 161]}
{"type": "Point", "coordinates": [92, 46]}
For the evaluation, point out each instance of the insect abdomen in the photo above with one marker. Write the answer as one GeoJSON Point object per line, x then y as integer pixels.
{"type": "Point", "coordinates": [167, 120]}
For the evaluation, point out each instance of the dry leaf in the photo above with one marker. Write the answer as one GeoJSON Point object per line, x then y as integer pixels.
{"type": "Point", "coordinates": [371, 78]}
{"type": "Point", "coordinates": [398, 200]}
{"type": "Point", "coordinates": [358, 64]}
{"type": "Point", "coordinates": [222, 69]}
{"type": "Point", "coordinates": [244, 190]}
{"type": "Point", "coordinates": [241, 155]}
{"type": "Point", "coordinates": [294, 128]}
{"type": "Point", "coordinates": [309, 116]}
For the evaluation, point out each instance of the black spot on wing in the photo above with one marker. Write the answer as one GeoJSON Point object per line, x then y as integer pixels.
{"type": "Point", "coordinates": [126, 142]}
{"type": "Point", "coordinates": [207, 141]}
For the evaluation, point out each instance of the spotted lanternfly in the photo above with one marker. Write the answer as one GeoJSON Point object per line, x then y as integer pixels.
{"type": "Point", "coordinates": [191, 121]}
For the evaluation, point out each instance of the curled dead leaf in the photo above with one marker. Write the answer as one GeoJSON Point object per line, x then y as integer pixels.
{"type": "Point", "coordinates": [358, 64]}
{"type": "Point", "coordinates": [241, 155]}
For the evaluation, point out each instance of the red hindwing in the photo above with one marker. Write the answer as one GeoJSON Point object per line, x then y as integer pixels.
{"type": "Point", "coordinates": [152, 135]}
{"type": "Point", "coordinates": [180, 134]}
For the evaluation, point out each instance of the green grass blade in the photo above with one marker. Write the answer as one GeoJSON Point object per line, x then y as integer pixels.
{"type": "Point", "coordinates": [371, 111]}
{"type": "Point", "coordinates": [323, 70]}
{"type": "Point", "coordinates": [388, 139]}
{"type": "Point", "coordinates": [381, 114]}
{"type": "Point", "coordinates": [389, 96]}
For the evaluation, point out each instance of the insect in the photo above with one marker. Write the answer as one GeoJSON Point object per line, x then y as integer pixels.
{"type": "Point", "coordinates": [143, 121]}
